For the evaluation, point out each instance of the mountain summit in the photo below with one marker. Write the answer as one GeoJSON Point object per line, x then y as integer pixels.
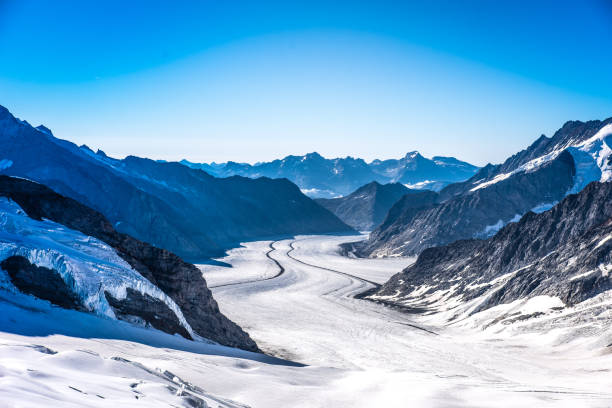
{"type": "Point", "coordinates": [319, 177]}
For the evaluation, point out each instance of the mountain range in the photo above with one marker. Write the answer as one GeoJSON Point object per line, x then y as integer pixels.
{"type": "Point", "coordinates": [534, 179]}
{"type": "Point", "coordinates": [319, 177]}
{"type": "Point", "coordinates": [366, 207]}
{"type": "Point", "coordinates": [168, 205]}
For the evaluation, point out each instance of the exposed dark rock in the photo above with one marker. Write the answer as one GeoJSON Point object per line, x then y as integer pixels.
{"type": "Point", "coordinates": [151, 310]}
{"type": "Point", "coordinates": [564, 252]}
{"type": "Point", "coordinates": [180, 280]}
{"type": "Point", "coordinates": [367, 206]}
{"type": "Point", "coordinates": [503, 192]}
{"type": "Point", "coordinates": [41, 282]}
{"type": "Point", "coordinates": [409, 230]}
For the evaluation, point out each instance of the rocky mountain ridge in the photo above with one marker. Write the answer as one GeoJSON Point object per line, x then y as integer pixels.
{"type": "Point", "coordinates": [320, 177]}
{"type": "Point", "coordinates": [532, 180]}
{"type": "Point", "coordinates": [564, 253]}
{"type": "Point", "coordinates": [367, 206]}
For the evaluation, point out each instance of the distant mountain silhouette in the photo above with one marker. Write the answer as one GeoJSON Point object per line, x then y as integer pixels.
{"type": "Point", "coordinates": [330, 178]}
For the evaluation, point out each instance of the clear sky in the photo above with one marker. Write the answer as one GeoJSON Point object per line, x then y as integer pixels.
{"type": "Point", "coordinates": [253, 81]}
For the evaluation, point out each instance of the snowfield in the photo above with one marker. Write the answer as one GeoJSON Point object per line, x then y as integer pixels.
{"type": "Point", "coordinates": [356, 353]}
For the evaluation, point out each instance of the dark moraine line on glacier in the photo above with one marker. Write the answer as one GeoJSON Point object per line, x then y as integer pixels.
{"type": "Point", "coordinates": [365, 293]}
{"type": "Point", "coordinates": [281, 270]}
{"type": "Point", "coordinates": [376, 285]}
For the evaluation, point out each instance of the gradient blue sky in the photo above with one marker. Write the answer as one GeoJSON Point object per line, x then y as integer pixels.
{"type": "Point", "coordinates": [253, 81]}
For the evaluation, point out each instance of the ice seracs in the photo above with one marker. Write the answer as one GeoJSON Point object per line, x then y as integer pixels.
{"type": "Point", "coordinates": [88, 265]}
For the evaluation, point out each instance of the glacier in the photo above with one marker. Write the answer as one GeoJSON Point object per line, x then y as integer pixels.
{"type": "Point", "coordinates": [87, 265]}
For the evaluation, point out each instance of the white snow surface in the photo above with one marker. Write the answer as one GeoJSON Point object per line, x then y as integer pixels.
{"type": "Point", "coordinates": [389, 358]}
{"type": "Point", "coordinates": [87, 265]}
{"type": "Point", "coordinates": [359, 353]}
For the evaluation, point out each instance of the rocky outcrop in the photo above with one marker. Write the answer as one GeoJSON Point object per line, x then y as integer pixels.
{"type": "Point", "coordinates": [565, 252]}
{"type": "Point", "coordinates": [181, 281]}
{"type": "Point", "coordinates": [147, 309]}
{"type": "Point", "coordinates": [367, 206]}
{"type": "Point", "coordinates": [44, 283]}
{"type": "Point", "coordinates": [409, 229]}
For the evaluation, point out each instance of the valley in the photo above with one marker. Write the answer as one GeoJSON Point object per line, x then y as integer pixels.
{"type": "Point", "coordinates": [305, 204]}
{"type": "Point", "coordinates": [507, 303]}
{"type": "Point", "coordinates": [349, 352]}
{"type": "Point", "coordinates": [310, 315]}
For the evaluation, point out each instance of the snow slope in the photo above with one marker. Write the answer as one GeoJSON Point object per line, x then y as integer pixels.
{"type": "Point", "coordinates": [359, 353]}
{"type": "Point", "coordinates": [63, 358]}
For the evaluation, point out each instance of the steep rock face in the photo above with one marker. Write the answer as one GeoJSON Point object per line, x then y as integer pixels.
{"type": "Point", "coordinates": [478, 213]}
{"type": "Point", "coordinates": [181, 281]}
{"type": "Point", "coordinates": [41, 282]}
{"type": "Point", "coordinates": [367, 206]}
{"type": "Point", "coordinates": [565, 252]}
{"type": "Point", "coordinates": [150, 310]}
{"type": "Point", "coordinates": [165, 204]}
{"type": "Point", "coordinates": [330, 178]}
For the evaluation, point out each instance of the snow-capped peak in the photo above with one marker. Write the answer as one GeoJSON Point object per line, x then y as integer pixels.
{"type": "Point", "coordinates": [592, 158]}
{"type": "Point", "coordinates": [87, 264]}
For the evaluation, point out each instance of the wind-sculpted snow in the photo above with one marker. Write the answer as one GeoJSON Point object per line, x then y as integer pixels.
{"type": "Point", "coordinates": [86, 264]}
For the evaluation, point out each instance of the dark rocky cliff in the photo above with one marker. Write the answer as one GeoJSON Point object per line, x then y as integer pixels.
{"type": "Point", "coordinates": [564, 252]}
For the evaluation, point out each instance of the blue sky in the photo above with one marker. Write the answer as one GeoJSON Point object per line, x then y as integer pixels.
{"type": "Point", "coordinates": [252, 81]}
